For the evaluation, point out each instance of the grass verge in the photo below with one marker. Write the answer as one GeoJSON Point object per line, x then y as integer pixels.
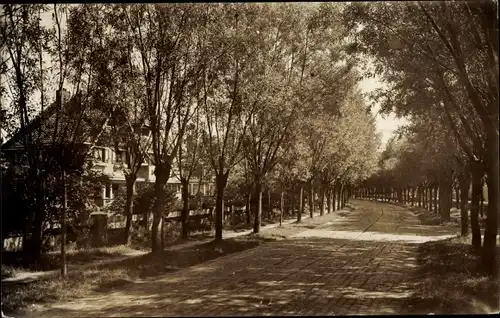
{"type": "Point", "coordinates": [102, 279]}
{"type": "Point", "coordinates": [51, 261]}
{"type": "Point", "coordinates": [449, 280]}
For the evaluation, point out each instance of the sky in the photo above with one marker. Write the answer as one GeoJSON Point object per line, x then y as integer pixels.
{"type": "Point", "coordinates": [386, 125]}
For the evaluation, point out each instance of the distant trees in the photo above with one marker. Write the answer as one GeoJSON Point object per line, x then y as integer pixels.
{"type": "Point", "coordinates": [453, 72]}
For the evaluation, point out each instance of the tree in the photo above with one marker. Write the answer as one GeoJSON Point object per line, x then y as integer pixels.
{"type": "Point", "coordinates": [165, 56]}
{"type": "Point", "coordinates": [188, 162]}
{"type": "Point", "coordinates": [227, 106]}
{"type": "Point", "coordinates": [119, 86]}
{"type": "Point", "coordinates": [54, 138]}
{"type": "Point", "coordinates": [447, 57]}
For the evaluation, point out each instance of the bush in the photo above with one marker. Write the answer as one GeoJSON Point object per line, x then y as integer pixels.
{"type": "Point", "coordinates": [200, 201]}
{"type": "Point", "coordinates": [143, 200]}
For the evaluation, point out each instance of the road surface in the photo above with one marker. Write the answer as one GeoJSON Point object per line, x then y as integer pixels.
{"type": "Point", "coordinates": [364, 263]}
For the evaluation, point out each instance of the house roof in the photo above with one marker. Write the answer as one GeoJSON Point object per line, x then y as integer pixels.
{"type": "Point", "coordinates": [78, 121]}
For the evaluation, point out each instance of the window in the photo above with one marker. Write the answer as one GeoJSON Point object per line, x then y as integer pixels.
{"type": "Point", "coordinates": [115, 187]}
{"type": "Point", "coordinates": [107, 191]}
{"type": "Point", "coordinates": [172, 187]}
{"type": "Point", "coordinates": [100, 154]}
{"type": "Point", "coordinates": [97, 192]}
{"type": "Point", "coordinates": [195, 188]}
{"type": "Point", "coordinates": [120, 156]}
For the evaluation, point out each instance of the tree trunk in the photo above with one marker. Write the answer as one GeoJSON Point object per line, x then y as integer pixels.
{"type": "Point", "coordinates": [489, 257]}
{"type": "Point", "coordinates": [445, 192]}
{"type": "Point", "coordinates": [322, 202]}
{"type": "Point", "coordinates": [311, 201]}
{"type": "Point", "coordinates": [34, 248]}
{"type": "Point", "coordinates": [64, 267]}
{"type": "Point", "coordinates": [282, 207]}
{"type": "Point", "coordinates": [329, 200]}
{"type": "Point", "coordinates": [435, 201]}
{"type": "Point", "coordinates": [146, 220]}
{"type": "Point", "coordinates": [344, 197]}
{"type": "Point", "coordinates": [129, 208]}
{"type": "Point", "coordinates": [457, 197]}
{"type": "Point", "coordinates": [162, 173]}
{"type": "Point", "coordinates": [248, 209]}
{"type": "Point", "coordinates": [162, 232]}
{"type": "Point", "coordinates": [258, 214]}
{"type": "Point", "coordinates": [411, 194]}
{"type": "Point", "coordinates": [301, 205]}
{"type": "Point", "coordinates": [334, 194]}
{"type": "Point", "coordinates": [425, 197]}
{"type": "Point", "coordinates": [185, 208]}
{"type": "Point", "coordinates": [464, 182]}
{"type": "Point", "coordinates": [233, 216]}
{"type": "Point", "coordinates": [481, 210]}
{"type": "Point", "coordinates": [477, 174]}
{"type": "Point", "coordinates": [431, 198]}
{"type": "Point", "coordinates": [339, 199]}
{"type": "Point", "coordinates": [427, 203]}
{"type": "Point", "coordinates": [221, 182]}
{"type": "Point", "coordinates": [269, 205]}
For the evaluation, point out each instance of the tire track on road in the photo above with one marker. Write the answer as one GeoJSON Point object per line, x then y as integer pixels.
{"type": "Point", "coordinates": [272, 267]}
{"type": "Point", "coordinates": [322, 257]}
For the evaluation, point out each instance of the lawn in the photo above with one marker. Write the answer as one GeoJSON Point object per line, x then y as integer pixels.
{"type": "Point", "coordinates": [106, 277]}
{"type": "Point", "coordinates": [13, 262]}
{"type": "Point", "coordinates": [449, 280]}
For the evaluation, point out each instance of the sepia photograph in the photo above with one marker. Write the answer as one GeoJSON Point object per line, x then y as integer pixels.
{"type": "Point", "coordinates": [183, 159]}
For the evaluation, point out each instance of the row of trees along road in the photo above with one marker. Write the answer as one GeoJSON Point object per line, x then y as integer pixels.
{"type": "Point", "coordinates": [264, 95]}
{"type": "Point", "coordinates": [440, 64]}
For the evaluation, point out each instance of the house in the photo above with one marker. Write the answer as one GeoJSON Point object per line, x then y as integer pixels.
{"type": "Point", "coordinates": [89, 128]}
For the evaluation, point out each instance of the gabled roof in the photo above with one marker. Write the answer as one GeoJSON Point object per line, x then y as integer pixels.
{"type": "Point", "coordinates": [15, 141]}
{"type": "Point", "coordinates": [81, 123]}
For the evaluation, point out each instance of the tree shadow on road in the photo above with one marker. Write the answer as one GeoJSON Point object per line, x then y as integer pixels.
{"type": "Point", "coordinates": [291, 277]}
{"type": "Point", "coordinates": [307, 276]}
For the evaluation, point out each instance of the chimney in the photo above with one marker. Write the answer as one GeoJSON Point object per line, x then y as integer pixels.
{"type": "Point", "coordinates": [65, 96]}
